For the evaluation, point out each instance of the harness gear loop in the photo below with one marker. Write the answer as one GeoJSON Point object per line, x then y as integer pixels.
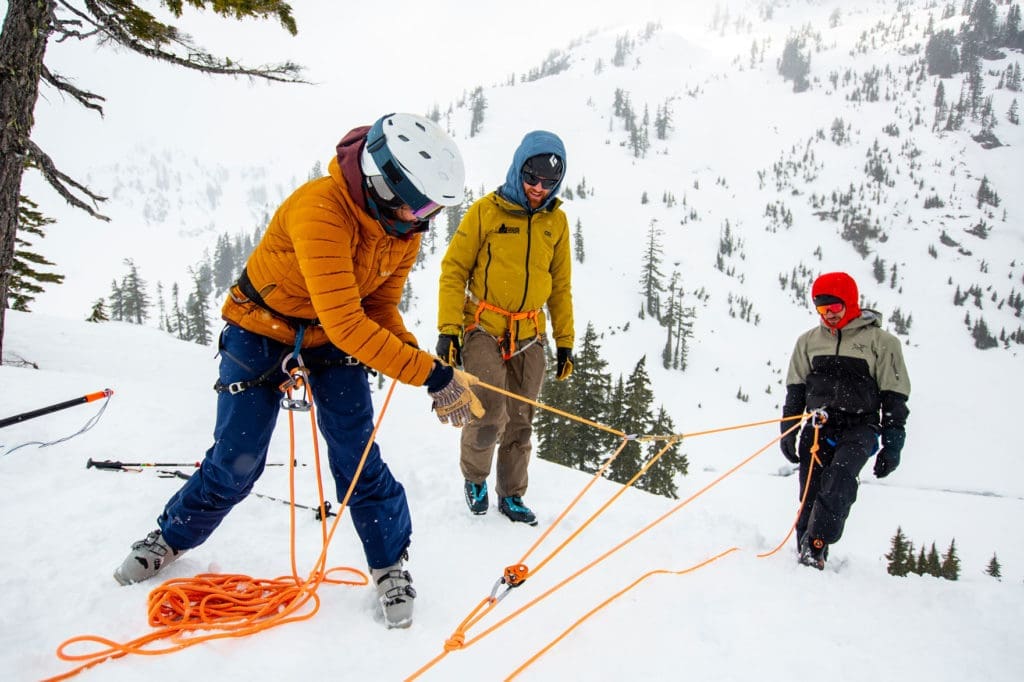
{"type": "Point", "coordinates": [507, 342]}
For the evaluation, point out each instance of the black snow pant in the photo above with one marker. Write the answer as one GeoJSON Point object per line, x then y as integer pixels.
{"type": "Point", "coordinates": [843, 451]}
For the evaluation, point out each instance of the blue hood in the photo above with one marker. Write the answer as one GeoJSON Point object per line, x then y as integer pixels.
{"type": "Point", "coordinates": [534, 143]}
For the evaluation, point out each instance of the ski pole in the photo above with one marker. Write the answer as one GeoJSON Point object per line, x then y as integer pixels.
{"type": "Point", "coordinates": [115, 465]}
{"type": "Point", "coordinates": [105, 393]}
{"type": "Point", "coordinates": [315, 510]}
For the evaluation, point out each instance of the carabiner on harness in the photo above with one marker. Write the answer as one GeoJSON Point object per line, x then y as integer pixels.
{"type": "Point", "coordinates": [298, 378]}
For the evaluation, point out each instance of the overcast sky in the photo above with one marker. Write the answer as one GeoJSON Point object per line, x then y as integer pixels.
{"type": "Point", "coordinates": [363, 63]}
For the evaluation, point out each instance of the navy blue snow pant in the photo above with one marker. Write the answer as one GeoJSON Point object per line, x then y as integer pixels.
{"type": "Point", "coordinates": [245, 422]}
{"type": "Point", "coordinates": [843, 451]}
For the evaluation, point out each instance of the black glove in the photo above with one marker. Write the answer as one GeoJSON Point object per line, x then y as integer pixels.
{"type": "Point", "coordinates": [449, 349]}
{"type": "Point", "coordinates": [788, 446]}
{"type": "Point", "coordinates": [888, 458]}
{"type": "Point", "coordinates": [564, 368]}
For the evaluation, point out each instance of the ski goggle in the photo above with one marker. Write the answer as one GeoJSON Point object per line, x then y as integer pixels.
{"type": "Point", "coordinates": [830, 308]}
{"type": "Point", "coordinates": [391, 200]}
{"type": "Point", "coordinates": [532, 179]}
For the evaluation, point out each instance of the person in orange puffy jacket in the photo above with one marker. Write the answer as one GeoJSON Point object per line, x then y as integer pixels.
{"type": "Point", "coordinates": [322, 287]}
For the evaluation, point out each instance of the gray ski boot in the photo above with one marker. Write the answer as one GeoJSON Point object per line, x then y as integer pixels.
{"type": "Point", "coordinates": [148, 557]}
{"type": "Point", "coordinates": [396, 594]}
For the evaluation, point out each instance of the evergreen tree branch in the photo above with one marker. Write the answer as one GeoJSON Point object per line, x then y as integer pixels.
{"type": "Point", "coordinates": [140, 32]}
{"type": "Point", "coordinates": [60, 181]}
{"type": "Point", "coordinates": [83, 97]}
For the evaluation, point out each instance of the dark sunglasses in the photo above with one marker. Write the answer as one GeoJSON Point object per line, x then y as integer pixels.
{"type": "Point", "coordinates": [531, 179]}
{"type": "Point", "coordinates": [830, 308]}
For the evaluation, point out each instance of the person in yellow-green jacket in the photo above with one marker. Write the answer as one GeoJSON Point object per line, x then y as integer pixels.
{"type": "Point", "coordinates": [509, 259]}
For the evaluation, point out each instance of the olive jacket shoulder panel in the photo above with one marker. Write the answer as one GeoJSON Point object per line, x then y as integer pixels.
{"type": "Point", "coordinates": [848, 369]}
{"type": "Point", "coordinates": [514, 260]}
{"type": "Point", "coordinates": [324, 258]}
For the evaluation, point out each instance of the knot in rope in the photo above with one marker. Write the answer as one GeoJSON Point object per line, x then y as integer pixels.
{"type": "Point", "coordinates": [455, 642]}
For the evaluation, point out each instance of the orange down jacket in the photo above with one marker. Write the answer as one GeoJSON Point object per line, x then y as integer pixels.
{"type": "Point", "coordinates": [323, 257]}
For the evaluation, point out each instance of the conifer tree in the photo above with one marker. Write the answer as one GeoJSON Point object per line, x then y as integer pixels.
{"type": "Point", "coordinates": [99, 312]}
{"type": "Point", "coordinates": [592, 386]}
{"type": "Point", "coordinates": [794, 65]}
{"type": "Point", "coordinates": [900, 554]}
{"type": "Point", "coordinates": [577, 242]}
{"type": "Point", "coordinates": [950, 568]}
{"type": "Point", "coordinates": [660, 478]}
{"type": "Point", "coordinates": [478, 104]}
{"type": "Point", "coordinates": [26, 281]}
{"type": "Point", "coordinates": [116, 302]}
{"type": "Point", "coordinates": [177, 323]}
{"type": "Point", "coordinates": [650, 274]}
{"type": "Point", "coordinates": [197, 306]}
{"type": "Point", "coordinates": [994, 569]}
{"type": "Point", "coordinates": [135, 301]}
{"type": "Point", "coordinates": [921, 565]}
{"type": "Point", "coordinates": [933, 564]}
{"type": "Point", "coordinates": [224, 260]}
{"type": "Point", "coordinates": [585, 394]}
{"type": "Point", "coordinates": [635, 418]}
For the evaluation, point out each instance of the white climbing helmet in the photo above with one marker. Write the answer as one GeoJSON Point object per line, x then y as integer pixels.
{"type": "Point", "coordinates": [409, 159]}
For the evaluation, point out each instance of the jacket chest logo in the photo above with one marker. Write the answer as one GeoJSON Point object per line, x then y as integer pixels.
{"type": "Point", "coordinates": [505, 229]}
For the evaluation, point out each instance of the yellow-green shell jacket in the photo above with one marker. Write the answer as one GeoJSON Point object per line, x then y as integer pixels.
{"type": "Point", "coordinates": [515, 260]}
{"type": "Point", "coordinates": [323, 257]}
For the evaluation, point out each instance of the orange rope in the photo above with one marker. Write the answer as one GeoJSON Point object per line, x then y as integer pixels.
{"type": "Point", "coordinates": [807, 486]}
{"type": "Point", "coordinates": [565, 633]}
{"type": "Point", "coordinates": [458, 639]}
{"type": "Point", "coordinates": [233, 605]}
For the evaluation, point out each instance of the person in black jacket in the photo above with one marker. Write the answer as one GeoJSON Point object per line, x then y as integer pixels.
{"type": "Point", "coordinates": [853, 370]}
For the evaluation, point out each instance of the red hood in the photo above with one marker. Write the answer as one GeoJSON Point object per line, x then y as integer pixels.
{"type": "Point", "coordinates": [842, 286]}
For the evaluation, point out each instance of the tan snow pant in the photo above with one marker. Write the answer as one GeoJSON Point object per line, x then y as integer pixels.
{"type": "Point", "coordinates": [508, 422]}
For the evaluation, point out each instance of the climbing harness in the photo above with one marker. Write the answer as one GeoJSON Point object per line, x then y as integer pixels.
{"type": "Point", "coordinates": [507, 341]}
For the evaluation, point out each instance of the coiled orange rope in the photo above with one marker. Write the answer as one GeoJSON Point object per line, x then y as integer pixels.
{"type": "Point", "coordinates": [234, 605]}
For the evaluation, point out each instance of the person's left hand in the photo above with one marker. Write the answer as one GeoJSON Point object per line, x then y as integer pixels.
{"type": "Point", "coordinates": [886, 461]}
{"type": "Point", "coordinates": [888, 458]}
{"type": "Point", "coordinates": [564, 368]}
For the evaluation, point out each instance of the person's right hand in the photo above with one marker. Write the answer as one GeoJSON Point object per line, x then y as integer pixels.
{"type": "Point", "coordinates": [788, 446]}
{"type": "Point", "coordinates": [449, 349]}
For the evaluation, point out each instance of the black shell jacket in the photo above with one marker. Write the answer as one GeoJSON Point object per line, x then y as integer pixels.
{"type": "Point", "coordinates": [852, 373]}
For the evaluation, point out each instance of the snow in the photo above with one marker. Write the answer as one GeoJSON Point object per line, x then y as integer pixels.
{"type": "Point", "coordinates": [741, 617]}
